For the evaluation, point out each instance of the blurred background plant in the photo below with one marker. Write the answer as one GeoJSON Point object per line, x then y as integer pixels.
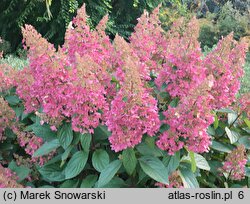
{"type": "Point", "coordinates": [51, 18]}
{"type": "Point", "coordinates": [228, 19]}
{"type": "Point", "coordinates": [245, 82]}
{"type": "Point", "coordinates": [172, 10]}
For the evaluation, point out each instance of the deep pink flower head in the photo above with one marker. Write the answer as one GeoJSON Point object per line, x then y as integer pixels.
{"type": "Point", "coordinates": [129, 119]}
{"type": "Point", "coordinates": [200, 83]}
{"type": "Point", "coordinates": [133, 111]}
{"type": "Point", "coordinates": [225, 63]}
{"type": "Point", "coordinates": [89, 97]}
{"type": "Point", "coordinates": [70, 83]}
{"type": "Point", "coordinates": [183, 68]}
{"type": "Point", "coordinates": [94, 43]}
{"type": "Point", "coordinates": [189, 121]}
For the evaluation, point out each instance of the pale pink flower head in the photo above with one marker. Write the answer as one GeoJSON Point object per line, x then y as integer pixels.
{"type": "Point", "coordinates": [8, 179]}
{"type": "Point", "coordinates": [234, 165]}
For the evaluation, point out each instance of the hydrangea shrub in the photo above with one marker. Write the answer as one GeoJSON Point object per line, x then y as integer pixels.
{"type": "Point", "coordinates": [151, 112]}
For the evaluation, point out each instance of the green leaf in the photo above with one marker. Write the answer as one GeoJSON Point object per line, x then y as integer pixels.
{"type": "Point", "coordinates": [154, 168]}
{"type": "Point", "coordinates": [18, 110]}
{"type": "Point", "coordinates": [70, 184]}
{"type": "Point", "coordinates": [108, 173]}
{"type": "Point", "coordinates": [231, 118]}
{"type": "Point", "coordinates": [52, 172]}
{"type": "Point", "coordinates": [89, 181]}
{"type": "Point", "coordinates": [246, 129]}
{"type": "Point", "coordinates": [214, 166]}
{"type": "Point", "coordinates": [164, 127]}
{"type": "Point", "coordinates": [150, 141]}
{"type": "Point", "coordinates": [142, 176]}
{"type": "Point", "coordinates": [245, 141]}
{"type": "Point", "coordinates": [221, 147]}
{"type": "Point", "coordinates": [46, 186]}
{"type": "Point", "coordinates": [12, 100]}
{"type": "Point", "coordinates": [43, 131]}
{"type": "Point", "coordinates": [200, 161]}
{"type": "Point", "coordinates": [76, 164]}
{"type": "Point", "coordinates": [55, 159]}
{"type": "Point", "coordinates": [101, 133]}
{"type": "Point", "coordinates": [129, 160]}
{"type": "Point", "coordinates": [6, 147]}
{"type": "Point", "coordinates": [46, 148]}
{"type": "Point", "coordinates": [232, 135]}
{"type": "Point", "coordinates": [21, 171]}
{"type": "Point", "coordinates": [216, 121]}
{"type": "Point", "coordinates": [188, 178]}
{"type": "Point", "coordinates": [225, 110]}
{"type": "Point", "coordinates": [164, 95]}
{"type": "Point", "coordinates": [65, 155]}
{"type": "Point", "coordinates": [125, 99]}
{"type": "Point", "coordinates": [85, 141]}
{"type": "Point", "coordinates": [146, 150]}
{"type": "Point", "coordinates": [211, 131]}
{"type": "Point", "coordinates": [76, 138]}
{"type": "Point", "coordinates": [29, 115]}
{"type": "Point", "coordinates": [9, 133]}
{"type": "Point", "coordinates": [247, 122]}
{"type": "Point", "coordinates": [247, 171]}
{"type": "Point", "coordinates": [65, 135]}
{"type": "Point", "coordinates": [174, 102]}
{"type": "Point", "coordinates": [100, 159]}
{"type": "Point", "coordinates": [172, 162]}
{"type": "Point", "coordinates": [115, 182]}
{"type": "Point", "coordinates": [193, 162]}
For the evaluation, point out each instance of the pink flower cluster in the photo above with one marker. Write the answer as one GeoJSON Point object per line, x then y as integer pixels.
{"type": "Point", "coordinates": [189, 121]}
{"type": "Point", "coordinates": [31, 143]}
{"type": "Point", "coordinates": [148, 41]}
{"type": "Point", "coordinates": [7, 117]}
{"type": "Point", "coordinates": [174, 181]}
{"type": "Point", "coordinates": [7, 74]}
{"type": "Point", "coordinates": [183, 68]}
{"type": "Point", "coordinates": [133, 111]}
{"type": "Point", "coordinates": [91, 81]}
{"type": "Point", "coordinates": [234, 166]}
{"type": "Point", "coordinates": [8, 179]}
{"type": "Point", "coordinates": [187, 72]}
{"type": "Point", "coordinates": [69, 83]}
{"type": "Point", "coordinates": [225, 63]}
{"type": "Point", "coordinates": [129, 120]}
{"type": "Point", "coordinates": [244, 102]}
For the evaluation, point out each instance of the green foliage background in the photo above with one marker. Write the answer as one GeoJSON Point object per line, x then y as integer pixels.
{"type": "Point", "coordinates": [222, 17]}
{"type": "Point", "coordinates": [16, 13]}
